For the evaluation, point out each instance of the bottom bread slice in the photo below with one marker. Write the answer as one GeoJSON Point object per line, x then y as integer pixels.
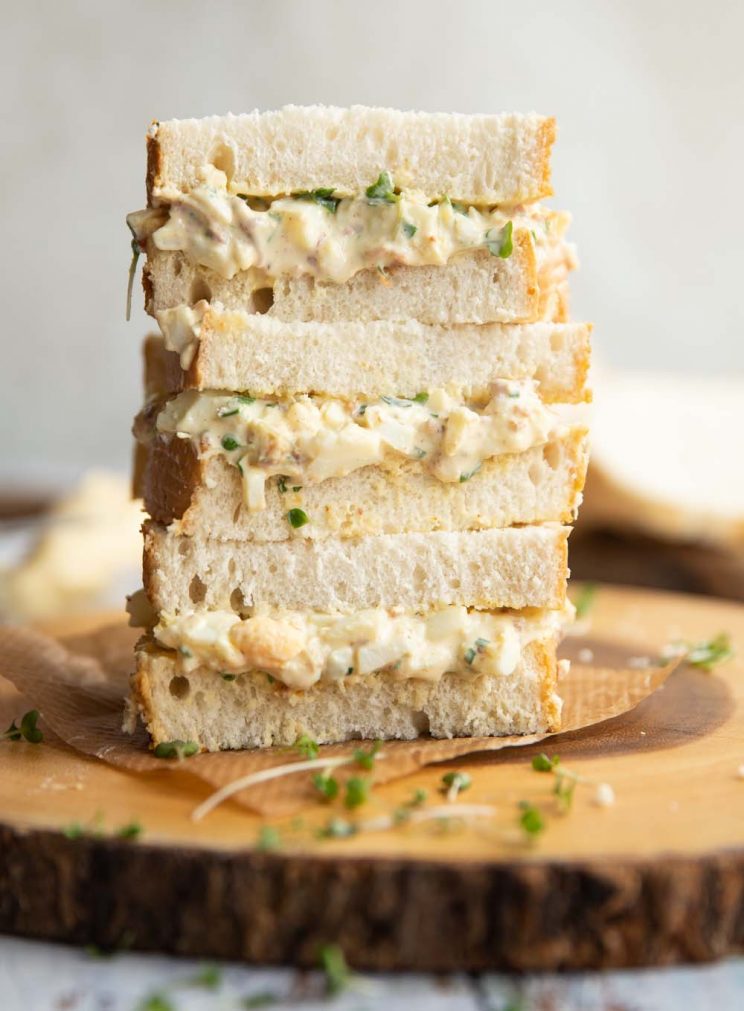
{"type": "Point", "coordinates": [251, 711]}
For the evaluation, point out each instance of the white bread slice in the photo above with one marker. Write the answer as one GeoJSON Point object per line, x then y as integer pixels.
{"type": "Point", "coordinates": [478, 159]}
{"type": "Point", "coordinates": [239, 351]}
{"type": "Point", "coordinates": [250, 712]}
{"type": "Point", "coordinates": [200, 496]}
{"type": "Point", "coordinates": [674, 477]}
{"type": "Point", "coordinates": [471, 288]}
{"type": "Point", "coordinates": [515, 567]}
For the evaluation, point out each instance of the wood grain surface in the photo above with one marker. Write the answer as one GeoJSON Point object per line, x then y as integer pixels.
{"type": "Point", "coordinates": [657, 877]}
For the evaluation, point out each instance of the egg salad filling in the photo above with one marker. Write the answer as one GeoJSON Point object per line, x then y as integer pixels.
{"type": "Point", "coordinates": [301, 648]}
{"type": "Point", "coordinates": [331, 237]}
{"type": "Point", "coordinates": [306, 439]}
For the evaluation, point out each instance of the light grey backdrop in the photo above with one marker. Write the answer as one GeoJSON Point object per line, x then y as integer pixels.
{"type": "Point", "coordinates": [650, 159]}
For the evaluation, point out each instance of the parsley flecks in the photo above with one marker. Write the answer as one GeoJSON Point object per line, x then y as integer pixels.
{"type": "Point", "coordinates": [357, 792]}
{"type": "Point", "coordinates": [228, 412]}
{"type": "Point", "coordinates": [382, 191]}
{"type": "Point", "coordinates": [297, 518]}
{"type": "Point", "coordinates": [132, 830]}
{"type": "Point", "coordinates": [326, 785]}
{"type": "Point", "coordinates": [245, 398]}
{"type": "Point", "coordinates": [136, 250]}
{"type": "Point", "coordinates": [367, 758]}
{"type": "Point", "coordinates": [337, 972]}
{"type": "Point", "coordinates": [323, 196]}
{"type": "Point", "coordinates": [585, 599]}
{"type": "Point", "coordinates": [541, 762]}
{"type": "Point", "coordinates": [453, 783]}
{"type": "Point", "coordinates": [499, 241]}
{"type": "Point", "coordinates": [421, 398]}
{"type": "Point", "coordinates": [706, 655]}
{"type": "Point", "coordinates": [409, 230]}
{"type": "Point", "coordinates": [306, 746]}
{"type": "Point", "coordinates": [229, 443]}
{"type": "Point", "coordinates": [176, 749]}
{"type": "Point", "coordinates": [268, 839]}
{"type": "Point", "coordinates": [469, 473]}
{"type": "Point", "coordinates": [531, 820]}
{"type": "Point", "coordinates": [26, 730]}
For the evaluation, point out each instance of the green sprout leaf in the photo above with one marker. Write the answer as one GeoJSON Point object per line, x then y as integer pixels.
{"type": "Point", "coordinates": [27, 730]}
{"type": "Point", "coordinates": [337, 972]}
{"type": "Point", "coordinates": [326, 785]}
{"type": "Point", "coordinates": [307, 747]}
{"type": "Point", "coordinates": [132, 830]}
{"type": "Point", "coordinates": [453, 783]}
{"type": "Point", "coordinates": [176, 749]}
{"type": "Point", "coordinates": [229, 443]}
{"type": "Point", "coordinates": [564, 789]}
{"type": "Point", "coordinates": [297, 518]}
{"type": "Point", "coordinates": [323, 196]}
{"type": "Point", "coordinates": [541, 762]}
{"type": "Point", "coordinates": [531, 820]}
{"type": "Point", "coordinates": [357, 792]}
{"type": "Point", "coordinates": [421, 398]}
{"type": "Point", "coordinates": [499, 241]}
{"type": "Point", "coordinates": [585, 599]}
{"type": "Point", "coordinates": [706, 655]}
{"type": "Point", "coordinates": [382, 191]}
{"type": "Point", "coordinates": [367, 758]}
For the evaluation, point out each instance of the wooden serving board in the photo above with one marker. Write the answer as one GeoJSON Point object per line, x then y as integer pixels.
{"type": "Point", "coordinates": [657, 877]}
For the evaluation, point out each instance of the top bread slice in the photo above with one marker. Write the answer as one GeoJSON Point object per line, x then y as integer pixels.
{"type": "Point", "coordinates": [476, 159]}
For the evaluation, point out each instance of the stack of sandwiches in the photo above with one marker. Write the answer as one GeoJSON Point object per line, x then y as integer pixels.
{"type": "Point", "coordinates": [355, 451]}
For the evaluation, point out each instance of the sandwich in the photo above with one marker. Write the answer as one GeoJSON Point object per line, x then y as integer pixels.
{"type": "Point", "coordinates": [357, 451]}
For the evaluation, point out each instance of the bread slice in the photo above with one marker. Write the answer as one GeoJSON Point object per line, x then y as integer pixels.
{"type": "Point", "coordinates": [251, 712]}
{"type": "Point", "coordinates": [478, 159]}
{"type": "Point", "coordinates": [198, 495]}
{"type": "Point", "coordinates": [515, 567]}
{"type": "Point", "coordinates": [471, 288]}
{"type": "Point", "coordinates": [234, 350]}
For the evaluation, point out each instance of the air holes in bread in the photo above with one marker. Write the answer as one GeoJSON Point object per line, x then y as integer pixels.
{"type": "Point", "coordinates": [237, 600]}
{"type": "Point", "coordinates": [197, 591]}
{"type": "Point", "coordinates": [552, 455]}
{"type": "Point", "coordinates": [179, 686]}
{"type": "Point", "coordinates": [535, 474]}
{"type": "Point", "coordinates": [223, 158]}
{"type": "Point", "coordinates": [263, 299]}
{"type": "Point", "coordinates": [200, 290]}
{"type": "Point", "coordinates": [557, 341]}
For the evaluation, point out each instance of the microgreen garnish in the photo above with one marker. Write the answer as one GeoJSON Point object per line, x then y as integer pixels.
{"type": "Point", "coordinates": [367, 758]}
{"type": "Point", "coordinates": [530, 819]}
{"type": "Point", "coordinates": [27, 731]}
{"type": "Point", "coordinates": [585, 599]}
{"type": "Point", "coordinates": [382, 191]}
{"type": "Point", "coordinates": [337, 972]}
{"type": "Point", "coordinates": [421, 398]}
{"type": "Point", "coordinates": [409, 229]}
{"type": "Point", "coordinates": [176, 749]}
{"type": "Point", "coordinates": [323, 196]}
{"type": "Point", "coordinates": [454, 783]}
{"type": "Point", "coordinates": [156, 1002]}
{"type": "Point", "coordinates": [73, 831]}
{"type": "Point", "coordinates": [337, 828]}
{"type": "Point", "coordinates": [209, 977]}
{"type": "Point", "coordinates": [326, 785]}
{"type": "Point", "coordinates": [466, 475]}
{"type": "Point", "coordinates": [564, 789]}
{"type": "Point", "coordinates": [499, 241]}
{"type": "Point", "coordinates": [541, 762]}
{"type": "Point", "coordinates": [297, 518]}
{"type": "Point", "coordinates": [229, 443]}
{"type": "Point", "coordinates": [306, 746]}
{"type": "Point", "coordinates": [268, 839]}
{"type": "Point", "coordinates": [132, 830]}
{"type": "Point", "coordinates": [357, 792]}
{"type": "Point", "coordinates": [706, 655]}
{"type": "Point", "coordinates": [136, 250]}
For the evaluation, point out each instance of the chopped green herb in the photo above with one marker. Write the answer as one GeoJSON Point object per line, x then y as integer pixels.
{"type": "Point", "coordinates": [499, 241]}
{"type": "Point", "coordinates": [306, 746]}
{"type": "Point", "coordinates": [268, 839]}
{"type": "Point", "coordinates": [227, 412]}
{"type": "Point", "coordinates": [409, 229]}
{"type": "Point", "coordinates": [453, 783]}
{"type": "Point", "coordinates": [136, 250]}
{"type": "Point", "coordinates": [469, 473]}
{"type": "Point", "coordinates": [357, 792]}
{"type": "Point", "coordinates": [27, 731]}
{"type": "Point", "coordinates": [530, 819]}
{"type": "Point", "coordinates": [229, 443]}
{"type": "Point", "coordinates": [257, 1000]}
{"type": "Point", "coordinates": [176, 749]}
{"type": "Point", "coordinates": [133, 830]}
{"type": "Point", "coordinates": [541, 762]}
{"type": "Point", "coordinates": [326, 784]}
{"type": "Point", "coordinates": [209, 978]}
{"type": "Point", "coordinates": [297, 518]}
{"type": "Point", "coordinates": [421, 398]}
{"type": "Point", "coordinates": [337, 828]}
{"type": "Point", "coordinates": [460, 208]}
{"type": "Point", "coordinates": [282, 484]}
{"type": "Point", "coordinates": [333, 964]}
{"type": "Point", "coordinates": [382, 191]}
{"type": "Point", "coordinates": [349, 671]}
{"type": "Point", "coordinates": [469, 655]}
{"type": "Point", "coordinates": [367, 758]}
{"type": "Point", "coordinates": [585, 599]}
{"type": "Point", "coordinates": [156, 1002]}
{"type": "Point", "coordinates": [324, 197]}
{"type": "Point", "coordinates": [706, 655]}
{"type": "Point", "coordinates": [296, 487]}
{"type": "Point", "coordinates": [228, 677]}
{"type": "Point", "coordinates": [185, 651]}
{"type": "Point", "coordinates": [245, 398]}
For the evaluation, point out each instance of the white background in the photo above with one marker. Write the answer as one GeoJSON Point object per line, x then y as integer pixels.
{"type": "Point", "coordinates": [650, 160]}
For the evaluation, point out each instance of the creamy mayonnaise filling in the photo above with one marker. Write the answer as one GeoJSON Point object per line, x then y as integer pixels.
{"type": "Point", "coordinates": [306, 439]}
{"type": "Point", "coordinates": [302, 648]}
{"type": "Point", "coordinates": [328, 237]}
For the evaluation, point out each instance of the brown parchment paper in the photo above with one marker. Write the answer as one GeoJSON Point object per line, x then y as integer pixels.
{"type": "Point", "coordinates": [79, 684]}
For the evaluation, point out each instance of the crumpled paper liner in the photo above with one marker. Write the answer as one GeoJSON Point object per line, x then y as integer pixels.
{"type": "Point", "coordinates": [79, 686]}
